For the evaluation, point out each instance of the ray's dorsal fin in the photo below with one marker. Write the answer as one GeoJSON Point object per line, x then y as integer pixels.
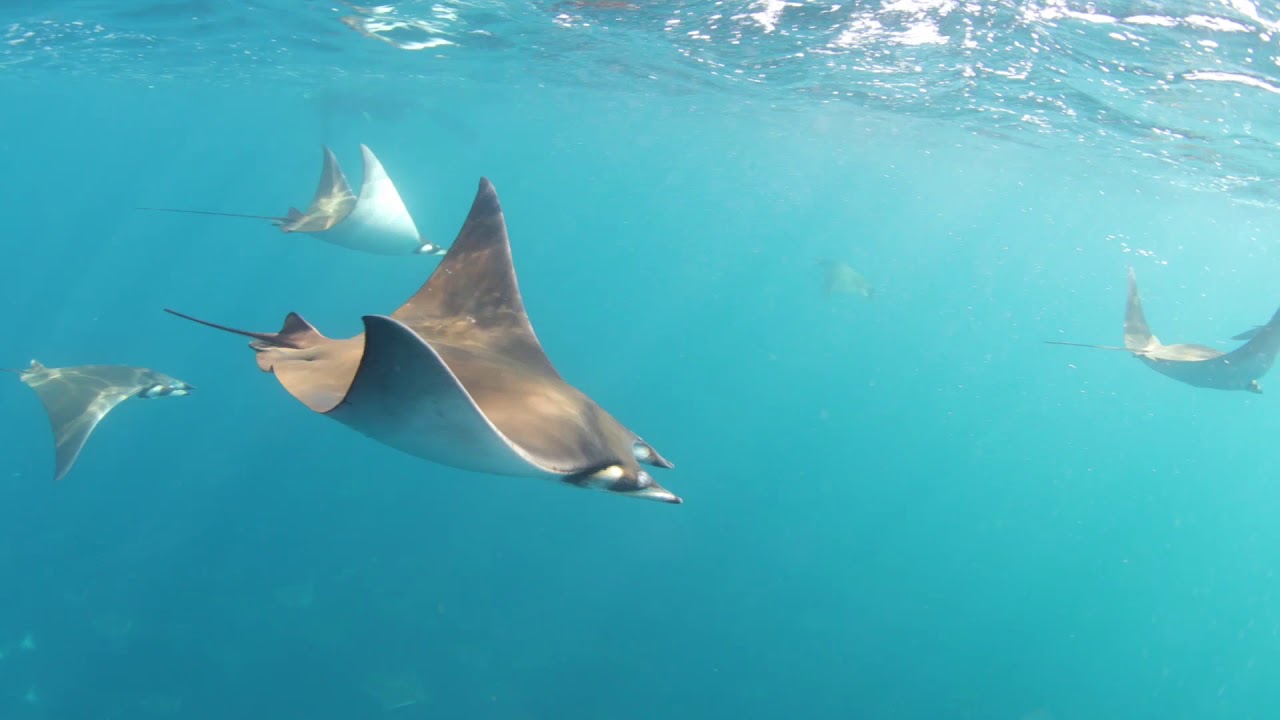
{"type": "Point", "coordinates": [472, 299]}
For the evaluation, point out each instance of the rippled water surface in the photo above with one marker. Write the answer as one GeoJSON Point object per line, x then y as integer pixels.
{"type": "Point", "coordinates": [900, 503]}
{"type": "Point", "coordinates": [1190, 85]}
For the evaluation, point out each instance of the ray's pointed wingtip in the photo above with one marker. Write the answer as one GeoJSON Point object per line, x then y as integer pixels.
{"type": "Point", "coordinates": [371, 161]}
{"type": "Point", "coordinates": [486, 201]}
{"type": "Point", "coordinates": [61, 472]}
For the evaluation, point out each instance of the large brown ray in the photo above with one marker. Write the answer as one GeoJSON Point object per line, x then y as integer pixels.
{"type": "Point", "coordinates": [76, 399]}
{"type": "Point", "coordinates": [1197, 365]}
{"type": "Point", "coordinates": [457, 376]}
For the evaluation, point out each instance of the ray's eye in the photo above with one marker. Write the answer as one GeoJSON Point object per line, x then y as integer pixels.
{"type": "Point", "coordinates": [153, 391]}
{"type": "Point", "coordinates": [611, 473]}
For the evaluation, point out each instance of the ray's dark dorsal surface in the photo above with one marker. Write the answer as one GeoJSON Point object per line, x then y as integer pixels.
{"type": "Point", "coordinates": [1198, 365]}
{"type": "Point", "coordinates": [76, 399]}
{"type": "Point", "coordinates": [375, 222]}
{"type": "Point", "coordinates": [457, 376]}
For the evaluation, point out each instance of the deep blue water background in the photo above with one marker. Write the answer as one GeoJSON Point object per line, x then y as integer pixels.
{"type": "Point", "coordinates": [907, 507]}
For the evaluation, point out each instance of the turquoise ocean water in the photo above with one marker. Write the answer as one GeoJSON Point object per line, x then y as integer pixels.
{"type": "Point", "coordinates": [903, 507]}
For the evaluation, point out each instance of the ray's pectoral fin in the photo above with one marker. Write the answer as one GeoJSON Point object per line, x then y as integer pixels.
{"type": "Point", "coordinates": [404, 395]}
{"type": "Point", "coordinates": [71, 429]}
{"type": "Point", "coordinates": [333, 182]}
{"type": "Point", "coordinates": [1138, 338]}
{"type": "Point", "coordinates": [75, 406]}
{"type": "Point", "coordinates": [477, 280]}
{"type": "Point", "coordinates": [1137, 334]}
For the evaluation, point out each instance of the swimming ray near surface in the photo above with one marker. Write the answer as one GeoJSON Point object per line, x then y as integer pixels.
{"type": "Point", "coordinates": [840, 278]}
{"type": "Point", "coordinates": [395, 690]}
{"type": "Point", "coordinates": [76, 399]}
{"type": "Point", "coordinates": [1198, 365]}
{"type": "Point", "coordinates": [375, 222]}
{"type": "Point", "coordinates": [457, 376]}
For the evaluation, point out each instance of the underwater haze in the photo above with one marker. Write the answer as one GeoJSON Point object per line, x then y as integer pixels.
{"type": "Point", "coordinates": [905, 506]}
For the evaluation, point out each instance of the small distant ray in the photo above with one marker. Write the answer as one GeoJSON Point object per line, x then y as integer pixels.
{"type": "Point", "coordinates": [362, 103]}
{"type": "Point", "coordinates": [457, 376]}
{"type": "Point", "coordinates": [1196, 365]}
{"type": "Point", "coordinates": [840, 278]}
{"type": "Point", "coordinates": [76, 399]}
{"type": "Point", "coordinates": [368, 103]}
{"type": "Point", "coordinates": [376, 221]}
{"type": "Point", "coordinates": [296, 596]}
{"type": "Point", "coordinates": [396, 690]}
{"type": "Point", "coordinates": [112, 626]}
{"type": "Point", "coordinates": [162, 705]}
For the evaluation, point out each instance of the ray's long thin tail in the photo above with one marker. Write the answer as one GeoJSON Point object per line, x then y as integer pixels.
{"type": "Point", "coordinates": [266, 337]}
{"type": "Point", "coordinates": [1087, 345]}
{"type": "Point", "coordinates": [296, 332]}
{"type": "Point", "coordinates": [219, 214]}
